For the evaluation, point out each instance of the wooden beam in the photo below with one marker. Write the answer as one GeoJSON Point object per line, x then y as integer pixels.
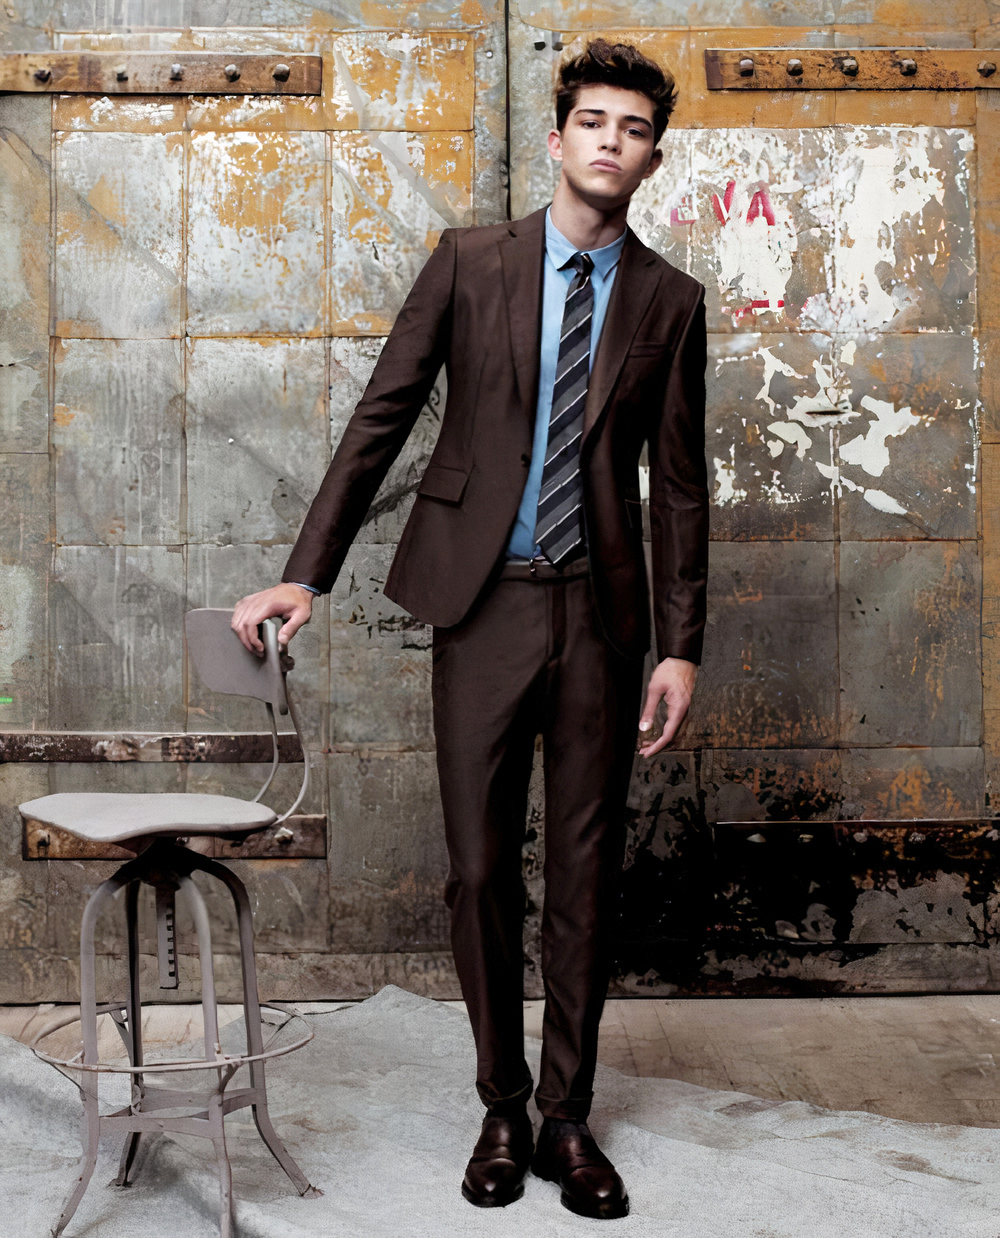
{"type": "Point", "coordinates": [154, 73]}
{"type": "Point", "coordinates": [223, 748]}
{"type": "Point", "coordinates": [867, 68]}
{"type": "Point", "coordinates": [300, 837]}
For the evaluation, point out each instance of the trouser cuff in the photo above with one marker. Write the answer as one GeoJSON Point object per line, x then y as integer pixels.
{"type": "Point", "coordinates": [498, 1102]}
{"type": "Point", "coordinates": [569, 1109]}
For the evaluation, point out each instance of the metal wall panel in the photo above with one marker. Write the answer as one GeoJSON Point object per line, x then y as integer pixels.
{"type": "Point", "coordinates": [225, 270]}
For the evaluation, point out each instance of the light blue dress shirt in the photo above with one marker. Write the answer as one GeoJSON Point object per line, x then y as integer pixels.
{"type": "Point", "coordinates": [556, 280]}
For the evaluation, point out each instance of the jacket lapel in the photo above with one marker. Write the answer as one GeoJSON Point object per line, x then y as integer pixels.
{"type": "Point", "coordinates": [522, 258]}
{"type": "Point", "coordinates": [635, 283]}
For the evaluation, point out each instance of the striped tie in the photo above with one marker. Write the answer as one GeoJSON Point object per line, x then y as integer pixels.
{"type": "Point", "coordinates": [559, 529]}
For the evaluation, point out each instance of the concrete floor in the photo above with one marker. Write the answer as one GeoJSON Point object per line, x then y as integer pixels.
{"type": "Point", "coordinates": [920, 1059]}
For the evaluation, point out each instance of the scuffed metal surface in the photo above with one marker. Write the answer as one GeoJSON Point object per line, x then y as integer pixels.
{"type": "Point", "coordinates": [117, 442]}
{"type": "Point", "coordinates": [257, 437]}
{"type": "Point", "coordinates": [118, 236]}
{"type": "Point", "coordinates": [392, 195]}
{"type": "Point", "coordinates": [256, 230]}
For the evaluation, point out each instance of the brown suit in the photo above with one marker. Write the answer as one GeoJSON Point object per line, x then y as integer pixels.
{"type": "Point", "coordinates": [515, 657]}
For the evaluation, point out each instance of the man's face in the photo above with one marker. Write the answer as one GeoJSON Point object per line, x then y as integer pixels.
{"type": "Point", "coordinates": [606, 146]}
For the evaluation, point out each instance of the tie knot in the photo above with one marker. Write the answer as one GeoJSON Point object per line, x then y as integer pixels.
{"type": "Point", "coordinates": [583, 264]}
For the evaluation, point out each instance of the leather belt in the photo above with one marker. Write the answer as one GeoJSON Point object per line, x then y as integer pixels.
{"type": "Point", "coordinates": [541, 569]}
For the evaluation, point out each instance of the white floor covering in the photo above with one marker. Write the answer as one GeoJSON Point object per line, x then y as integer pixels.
{"type": "Point", "coordinates": [380, 1112]}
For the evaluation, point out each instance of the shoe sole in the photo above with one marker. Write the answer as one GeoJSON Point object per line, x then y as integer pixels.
{"type": "Point", "coordinates": [496, 1201]}
{"type": "Point", "coordinates": [611, 1211]}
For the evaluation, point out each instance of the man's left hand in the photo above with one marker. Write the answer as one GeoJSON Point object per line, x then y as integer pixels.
{"type": "Point", "coordinates": [673, 682]}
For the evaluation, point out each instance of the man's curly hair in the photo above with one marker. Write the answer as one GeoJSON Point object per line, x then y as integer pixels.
{"type": "Point", "coordinates": [616, 64]}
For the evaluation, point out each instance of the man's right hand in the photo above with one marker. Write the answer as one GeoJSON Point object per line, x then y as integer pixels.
{"type": "Point", "coordinates": [291, 602]}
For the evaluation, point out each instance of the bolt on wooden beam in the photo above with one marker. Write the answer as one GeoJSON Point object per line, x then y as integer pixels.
{"type": "Point", "coordinates": [151, 73]}
{"type": "Point", "coordinates": [868, 68]}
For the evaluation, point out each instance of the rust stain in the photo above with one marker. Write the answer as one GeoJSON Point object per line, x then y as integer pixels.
{"type": "Point", "coordinates": [62, 415]}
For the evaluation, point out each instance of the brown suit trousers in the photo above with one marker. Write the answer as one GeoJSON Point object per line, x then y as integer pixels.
{"type": "Point", "coordinates": [532, 658]}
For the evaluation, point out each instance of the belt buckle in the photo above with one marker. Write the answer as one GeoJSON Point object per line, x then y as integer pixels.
{"type": "Point", "coordinates": [533, 564]}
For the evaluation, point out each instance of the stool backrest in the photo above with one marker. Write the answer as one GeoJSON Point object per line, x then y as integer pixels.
{"type": "Point", "coordinates": [224, 665]}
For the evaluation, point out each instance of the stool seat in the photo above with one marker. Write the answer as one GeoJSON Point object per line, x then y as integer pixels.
{"type": "Point", "coordinates": [111, 817]}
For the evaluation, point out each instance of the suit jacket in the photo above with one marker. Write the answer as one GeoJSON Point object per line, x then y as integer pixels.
{"type": "Point", "coordinates": [476, 307]}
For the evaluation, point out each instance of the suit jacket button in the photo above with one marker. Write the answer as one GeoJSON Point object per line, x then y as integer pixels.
{"type": "Point", "coordinates": [525, 459]}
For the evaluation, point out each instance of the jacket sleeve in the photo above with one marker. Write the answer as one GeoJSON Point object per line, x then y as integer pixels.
{"type": "Point", "coordinates": [678, 499]}
{"type": "Point", "coordinates": [401, 382]}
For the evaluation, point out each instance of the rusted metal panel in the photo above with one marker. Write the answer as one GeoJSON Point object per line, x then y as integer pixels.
{"type": "Point", "coordinates": [25, 256]}
{"type": "Point", "coordinates": [381, 80]}
{"type": "Point", "coordinates": [906, 466]}
{"type": "Point", "coordinates": [555, 16]}
{"type": "Point", "coordinates": [875, 432]}
{"type": "Point", "coordinates": [847, 68]}
{"type": "Point", "coordinates": [779, 226]}
{"type": "Point", "coordinates": [118, 234]}
{"type": "Point", "coordinates": [665, 890]}
{"type": "Point", "coordinates": [256, 207]}
{"type": "Point", "coordinates": [803, 784]}
{"type": "Point", "coordinates": [381, 697]}
{"type": "Point", "coordinates": [392, 195]}
{"type": "Point", "coordinates": [23, 886]}
{"type": "Point", "coordinates": [770, 646]}
{"type": "Point", "coordinates": [387, 854]}
{"type": "Point", "coordinates": [116, 617]}
{"type": "Point", "coordinates": [117, 439]}
{"type": "Point", "coordinates": [379, 659]}
{"type": "Point", "coordinates": [257, 437]}
{"type": "Point", "coordinates": [864, 882]}
{"type": "Point", "coordinates": [118, 746]}
{"type": "Point", "coordinates": [909, 644]}
{"type": "Point", "coordinates": [390, 80]}
{"type": "Point", "coordinates": [24, 562]}
{"type": "Point", "coordinates": [72, 113]}
{"type": "Point", "coordinates": [134, 72]}
{"type": "Point", "coordinates": [361, 616]}
{"type": "Point", "coordinates": [774, 401]}
{"type": "Point", "coordinates": [912, 782]}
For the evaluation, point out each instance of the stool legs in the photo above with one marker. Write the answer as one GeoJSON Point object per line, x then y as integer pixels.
{"type": "Point", "coordinates": [133, 1011]}
{"type": "Point", "coordinates": [213, 1050]}
{"type": "Point", "coordinates": [88, 1021]}
{"type": "Point", "coordinates": [172, 864]}
{"type": "Point", "coordinates": [255, 1041]}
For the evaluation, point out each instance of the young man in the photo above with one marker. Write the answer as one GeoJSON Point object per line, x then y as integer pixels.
{"type": "Point", "coordinates": [568, 345]}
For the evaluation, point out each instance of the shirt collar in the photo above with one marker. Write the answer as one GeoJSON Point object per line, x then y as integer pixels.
{"type": "Point", "coordinates": [560, 250]}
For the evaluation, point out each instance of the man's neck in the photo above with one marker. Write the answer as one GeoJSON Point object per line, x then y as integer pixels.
{"type": "Point", "coordinates": [583, 224]}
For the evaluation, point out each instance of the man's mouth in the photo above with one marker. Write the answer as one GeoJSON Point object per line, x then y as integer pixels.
{"type": "Point", "coordinates": [605, 165]}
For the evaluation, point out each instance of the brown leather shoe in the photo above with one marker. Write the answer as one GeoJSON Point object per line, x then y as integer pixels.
{"type": "Point", "coordinates": [494, 1177]}
{"type": "Point", "coordinates": [567, 1153]}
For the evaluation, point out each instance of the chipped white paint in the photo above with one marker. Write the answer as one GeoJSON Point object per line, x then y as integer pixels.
{"type": "Point", "coordinates": [869, 450]}
{"type": "Point", "coordinates": [726, 489]}
{"type": "Point", "coordinates": [882, 182]}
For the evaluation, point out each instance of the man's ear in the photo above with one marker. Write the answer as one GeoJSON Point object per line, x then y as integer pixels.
{"type": "Point", "coordinates": [555, 144]}
{"type": "Point", "coordinates": [655, 160]}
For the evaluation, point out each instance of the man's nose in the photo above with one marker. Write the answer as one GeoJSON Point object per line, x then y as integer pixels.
{"type": "Point", "coordinates": [611, 141]}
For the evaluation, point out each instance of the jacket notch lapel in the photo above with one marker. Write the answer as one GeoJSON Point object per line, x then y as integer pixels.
{"type": "Point", "coordinates": [635, 282]}
{"type": "Point", "coordinates": [522, 256]}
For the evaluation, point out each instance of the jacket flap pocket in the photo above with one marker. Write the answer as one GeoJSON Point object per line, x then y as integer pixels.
{"type": "Point", "coordinates": [441, 482]}
{"type": "Point", "coordinates": [647, 348]}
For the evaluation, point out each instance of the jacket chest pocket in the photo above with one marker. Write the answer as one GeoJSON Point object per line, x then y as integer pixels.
{"type": "Point", "coordinates": [441, 482]}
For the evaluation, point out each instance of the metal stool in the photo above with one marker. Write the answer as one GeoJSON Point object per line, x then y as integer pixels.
{"type": "Point", "coordinates": [151, 825]}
